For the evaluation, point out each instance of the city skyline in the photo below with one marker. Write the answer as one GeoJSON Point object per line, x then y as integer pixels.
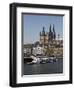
{"type": "Point", "coordinates": [33, 25]}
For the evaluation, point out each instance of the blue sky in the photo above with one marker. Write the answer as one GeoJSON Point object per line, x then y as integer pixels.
{"type": "Point", "coordinates": [33, 24]}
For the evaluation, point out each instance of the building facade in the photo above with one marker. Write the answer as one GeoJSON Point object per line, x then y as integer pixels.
{"type": "Point", "coordinates": [47, 37]}
{"type": "Point", "coordinates": [38, 50]}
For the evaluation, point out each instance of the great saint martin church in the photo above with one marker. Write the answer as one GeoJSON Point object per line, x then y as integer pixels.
{"type": "Point", "coordinates": [47, 37]}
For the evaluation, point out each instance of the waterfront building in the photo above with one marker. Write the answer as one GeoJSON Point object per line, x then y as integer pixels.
{"type": "Point", "coordinates": [28, 49]}
{"type": "Point", "coordinates": [37, 49]}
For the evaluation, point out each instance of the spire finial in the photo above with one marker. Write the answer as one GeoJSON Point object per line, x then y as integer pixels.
{"type": "Point", "coordinates": [43, 32]}
{"type": "Point", "coordinates": [54, 34]}
{"type": "Point", "coordinates": [50, 28]}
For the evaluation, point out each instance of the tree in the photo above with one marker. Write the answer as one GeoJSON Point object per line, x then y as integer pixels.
{"type": "Point", "coordinates": [50, 52]}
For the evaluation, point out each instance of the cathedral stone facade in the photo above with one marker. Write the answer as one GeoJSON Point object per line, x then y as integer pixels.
{"type": "Point", "coordinates": [47, 37]}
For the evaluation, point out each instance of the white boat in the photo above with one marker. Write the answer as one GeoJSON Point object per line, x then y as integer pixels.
{"type": "Point", "coordinates": [35, 59]}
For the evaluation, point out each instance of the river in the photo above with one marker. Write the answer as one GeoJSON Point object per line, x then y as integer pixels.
{"type": "Point", "coordinates": [46, 68]}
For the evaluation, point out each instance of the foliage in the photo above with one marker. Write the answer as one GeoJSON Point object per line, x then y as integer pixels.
{"type": "Point", "coordinates": [54, 52]}
{"type": "Point", "coordinates": [50, 51]}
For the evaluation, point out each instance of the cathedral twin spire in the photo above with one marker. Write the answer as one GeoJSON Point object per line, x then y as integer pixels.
{"type": "Point", "coordinates": [52, 34]}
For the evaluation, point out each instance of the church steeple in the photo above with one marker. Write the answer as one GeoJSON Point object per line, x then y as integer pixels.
{"type": "Point", "coordinates": [50, 33]}
{"type": "Point", "coordinates": [43, 32]}
{"type": "Point", "coordinates": [54, 34]}
{"type": "Point", "coordinates": [50, 29]}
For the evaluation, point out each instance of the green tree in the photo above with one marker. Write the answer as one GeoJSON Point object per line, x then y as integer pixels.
{"type": "Point", "coordinates": [50, 51]}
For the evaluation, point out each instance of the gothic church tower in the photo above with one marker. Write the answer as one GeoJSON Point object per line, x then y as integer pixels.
{"type": "Point", "coordinates": [47, 37]}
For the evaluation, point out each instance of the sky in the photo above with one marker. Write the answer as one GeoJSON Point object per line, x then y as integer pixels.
{"type": "Point", "coordinates": [33, 24]}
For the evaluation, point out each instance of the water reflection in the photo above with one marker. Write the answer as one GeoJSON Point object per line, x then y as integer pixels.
{"type": "Point", "coordinates": [46, 68]}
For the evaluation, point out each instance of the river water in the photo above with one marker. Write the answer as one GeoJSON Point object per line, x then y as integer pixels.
{"type": "Point", "coordinates": [46, 68]}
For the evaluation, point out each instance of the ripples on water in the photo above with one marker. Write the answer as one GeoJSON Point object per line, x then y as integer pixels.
{"type": "Point", "coordinates": [46, 68]}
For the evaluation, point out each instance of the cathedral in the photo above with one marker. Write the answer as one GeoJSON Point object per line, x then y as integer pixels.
{"type": "Point", "coordinates": [47, 37]}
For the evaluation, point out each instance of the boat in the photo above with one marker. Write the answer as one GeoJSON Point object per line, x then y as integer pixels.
{"type": "Point", "coordinates": [53, 59]}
